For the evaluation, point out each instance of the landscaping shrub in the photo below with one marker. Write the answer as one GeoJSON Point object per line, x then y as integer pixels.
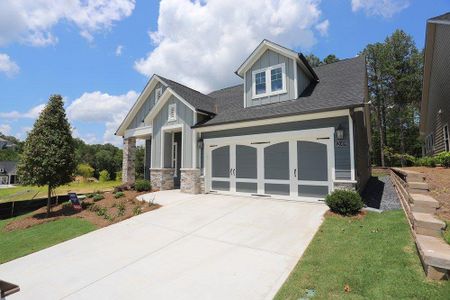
{"type": "Point", "coordinates": [137, 210]}
{"type": "Point", "coordinates": [444, 159]}
{"type": "Point", "coordinates": [85, 171]}
{"type": "Point", "coordinates": [119, 195]}
{"type": "Point", "coordinates": [119, 176]}
{"type": "Point", "coordinates": [98, 197]}
{"type": "Point", "coordinates": [120, 209]}
{"type": "Point", "coordinates": [89, 196]}
{"type": "Point", "coordinates": [142, 185]}
{"type": "Point", "coordinates": [427, 161]}
{"type": "Point", "coordinates": [103, 176]}
{"type": "Point", "coordinates": [344, 202]}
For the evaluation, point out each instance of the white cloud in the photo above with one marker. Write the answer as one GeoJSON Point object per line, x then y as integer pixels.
{"type": "Point", "coordinates": [5, 129]}
{"type": "Point", "coordinates": [384, 8]}
{"type": "Point", "coordinates": [103, 108]}
{"type": "Point", "coordinates": [119, 50]}
{"type": "Point", "coordinates": [33, 113]}
{"type": "Point", "coordinates": [202, 43]}
{"type": "Point", "coordinates": [31, 21]}
{"type": "Point", "coordinates": [8, 66]}
{"type": "Point", "coordinates": [322, 27]}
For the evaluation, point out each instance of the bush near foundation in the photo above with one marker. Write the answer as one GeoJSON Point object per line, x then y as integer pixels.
{"type": "Point", "coordinates": [142, 185]}
{"type": "Point", "coordinates": [344, 202]}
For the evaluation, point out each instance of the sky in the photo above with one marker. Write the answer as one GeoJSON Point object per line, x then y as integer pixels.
{"type": "Point", "coordinates": [99, 54]}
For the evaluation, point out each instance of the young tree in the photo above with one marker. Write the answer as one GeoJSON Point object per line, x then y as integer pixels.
{"type": "Point", "coordinates": [331, 58]}
{"type": "Point", "coordinates": [313, 60]}
{"type": "Point", "coordinates": [48, 156]}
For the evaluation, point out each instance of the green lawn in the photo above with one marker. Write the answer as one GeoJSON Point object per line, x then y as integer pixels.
{"type": "Point", "coordinates": [30, 192]}
{"type": "Point", "coordinates": [376, 257]}
{"type": "Point", "coordinates": [18, 243]}
{"type": "Point", "coordinates": [447, 232]}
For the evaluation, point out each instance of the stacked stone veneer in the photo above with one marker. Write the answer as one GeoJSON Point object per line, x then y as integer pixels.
{"type": "Point", "coordinates": [129, 155]}
{"type": "Point", "coordinates": [162, 179]}
{"type": "Point", "coordinates": [190, 181]}
{"type": "Point", "coordinates": [345, 186]}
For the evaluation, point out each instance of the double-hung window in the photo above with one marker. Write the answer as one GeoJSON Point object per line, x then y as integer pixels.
{"type": "Point", "coordinates": [269, 81]}
{"type": "Point", "coordinates": [446, 138]}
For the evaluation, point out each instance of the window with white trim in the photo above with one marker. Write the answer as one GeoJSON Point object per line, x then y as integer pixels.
{"type": "Point", "coordinates": [446, 138]}
{"type": "Point", "coordinates": [172, 112]}
{"type": "Point", "coordinates": [158, 94]}
{"type": "Point", "coordinates": [269, 81]}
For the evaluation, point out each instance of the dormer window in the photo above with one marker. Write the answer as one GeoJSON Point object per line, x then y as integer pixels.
{"type": "Point", "coordinates": [158, 94]}
{"type": "Point", "coordinates": [269, 81]}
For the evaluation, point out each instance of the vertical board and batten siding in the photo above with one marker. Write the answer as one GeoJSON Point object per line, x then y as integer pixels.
{"type": "Point", "coordinates": [145, 108]}
{"type": "Point", "coordinates": [185, 117]}
{"type": "Point", "coordinates": [148, 156]}
{"type": "Point", "coordinates": [270, 58]}
{"type": "Point", "coordinates": [439, 98]}
{"type": "Point", "coordinates": [303, 80]}
{"type": "Point", "coordinates": [342, 153]}
{"type": "Point", "coordinates": [362, 156]}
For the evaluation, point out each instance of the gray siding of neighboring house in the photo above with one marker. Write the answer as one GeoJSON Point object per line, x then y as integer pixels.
{"type": "Point", "coordinates": [439, 93]}
{"type": "Point", "coordinates": [362, 156]}
{"type": "Point", "coordinates": [145, 108]}
{"type": "Point", "coordinates": [185, 117]}
{"type": "Point", "coordinates": [271, 58]}
{"type": "Point", "coordinates": [342, 153]}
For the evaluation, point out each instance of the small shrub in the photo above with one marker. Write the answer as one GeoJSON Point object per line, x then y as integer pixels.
{"type": "Point", "coordinates": [119, 195]}
{"type": "Point", "coordinates": [444, 159]}
{"type": "Point", "coordinates": [98, 197]}
{"type": "Point", "coordinates": [344, 202]}
{"type": "Point", "coordinates": [85, 171]}
{"type": "Point", "coordinates": [121, 209]}
{"type": "Point", "coordinates": [142, 185]}
{"type": "Point", "coordinates": [89, 196]}
{"type": "Point", "coordinates": [94, 208]}
{"type": "Point", "coordinates": [103, 176]}
{"type": "Point", "coordinates": [137, 210]}
{"type": "Point", "coordinates": [101, 211]}
{"type": "Point", "coordinates": [85, 205]}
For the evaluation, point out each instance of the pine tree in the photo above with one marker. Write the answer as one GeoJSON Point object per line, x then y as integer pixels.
{"type": "Point", "coordinates": [48, 157]}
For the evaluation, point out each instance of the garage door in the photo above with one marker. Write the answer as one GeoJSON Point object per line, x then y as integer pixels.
{"type": "Point", "coordinates": [292, 165]}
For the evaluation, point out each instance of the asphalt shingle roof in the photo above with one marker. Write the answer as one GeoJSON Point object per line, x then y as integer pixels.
{"type": "Point", "coordinates": [195, 98]}
{"type": "Point", "coordinates": [444, 17]}
{"type": "Point", "coordinates": [342, 85]}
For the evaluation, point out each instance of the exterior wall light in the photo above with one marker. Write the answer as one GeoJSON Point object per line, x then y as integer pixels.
{"type": "Point", "coordinates": [340, 132]}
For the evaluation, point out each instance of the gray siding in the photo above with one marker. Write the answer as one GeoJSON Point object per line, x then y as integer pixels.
{"type": "Point", "coordinates": [270, 58]}
{"type": "Point", "coordinates": [362, 157]}
{"type": "Point", "coordinates": [342, 153]}
{"type": "Point", "coordinates": [148, 155]}
{"type": "Point", "coordinates": [439, 94]}
{"type": "Point", "coordinates": [185, 117]}
{"type": "Point", "coordinates": [145, 108]}
{"type": "Point", "coordinates": [302, 80]}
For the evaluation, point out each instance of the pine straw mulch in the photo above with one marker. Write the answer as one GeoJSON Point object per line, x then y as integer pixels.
{"type": "Point", "coordinates": [100, 213]}
{"type": "Point", "coordinates": [438, 180]}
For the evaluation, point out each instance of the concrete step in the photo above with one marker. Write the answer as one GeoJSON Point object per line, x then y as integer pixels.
{"type": "Point", "coordinates": [435, 256]}
{"type": "Point", "coordinates": [428, 224]}
{"type": "Point", "coordinates": [418, 186]}
{"type": "Point", "coordinates": [424, 203]}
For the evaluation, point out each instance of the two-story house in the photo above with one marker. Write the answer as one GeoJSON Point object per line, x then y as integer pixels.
{"type": "Point", "coordinates": [288, 131]}
{"type": "Point", "coordinates": [435, 106]}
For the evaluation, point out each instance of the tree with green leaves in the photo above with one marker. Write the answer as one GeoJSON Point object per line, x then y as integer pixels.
{"type": "Point", "coordinates": [313, 60]}
{"type": "Point", "coordinates": [331, 58]}
{"type": "Point", "coordinates": [48, 157]}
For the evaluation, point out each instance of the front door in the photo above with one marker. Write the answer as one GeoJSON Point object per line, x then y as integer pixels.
{"type": "Point", "coordinates": [176, 158]}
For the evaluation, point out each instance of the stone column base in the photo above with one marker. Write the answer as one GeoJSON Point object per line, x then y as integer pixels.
{"type": "Point", "coordinates": [202, 185]}
{"type": "Point", "coordinates": [162, 179]}
{"type": "Point", "coordinates": [345, 185]}
{"type": "Point", "coordinates": [190, 181]}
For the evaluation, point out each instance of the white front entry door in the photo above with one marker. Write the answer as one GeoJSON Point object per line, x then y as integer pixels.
{"type": "Point", "coordinates": [291, 165]}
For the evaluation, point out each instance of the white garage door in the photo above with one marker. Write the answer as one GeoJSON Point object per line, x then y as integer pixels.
{"type": "Point", "coordinates": [291, 165]}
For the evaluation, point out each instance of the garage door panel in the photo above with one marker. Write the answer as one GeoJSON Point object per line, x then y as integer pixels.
{"type": "Point", "coordinates": [276, 161]}
{"type": "Point", "coordinates": [220, 162]}
{"type": "Point", "coordinates": [312, 161]}
{"type": "Point", "coordinates": [246, 187]}
{"type": "Point", "coordinates": [277, 189]}
{"type": "Point", "coordinates": [220, 185]}
{"type": "Point", "coordinates": [312, 191]}
{"type": "Point", "coordinates": [246, 162]}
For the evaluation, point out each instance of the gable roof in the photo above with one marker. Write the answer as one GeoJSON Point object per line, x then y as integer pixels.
{"type": "Point", "coordinates": [342, 85]}
{"type": "Point", "coordinates": [442, 19]}
{"type": "Point", "coordinates": [268, 45]}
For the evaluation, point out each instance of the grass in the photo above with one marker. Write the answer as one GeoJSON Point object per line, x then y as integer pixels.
{"type": "Point", "coordinates": [19, 243]}
{"type": "Point", "coordinates": [376, 257]}
{"type": "Point", "coordinates": [379, 172]}
{"type": "Point", "coordinates": [447, 232]}
{"type": "Point", "coordinates": [19, 193]}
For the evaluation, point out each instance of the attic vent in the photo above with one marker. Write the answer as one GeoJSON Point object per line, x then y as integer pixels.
{"type": "Point", "coordinates": [158, 94]}
{"type": "Point", "coordinates": [172, 112]}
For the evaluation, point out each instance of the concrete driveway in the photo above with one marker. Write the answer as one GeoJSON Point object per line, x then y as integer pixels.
{"type": "Point", "coordinates": [194, 247]}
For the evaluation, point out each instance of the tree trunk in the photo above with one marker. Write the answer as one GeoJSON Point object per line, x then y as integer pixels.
{"type": "Point", "coordinates": [49, 200]}
{"type": "Point", "coordinates": [402, 138]}
{"type": "Point", "coordinates": [381, 133]}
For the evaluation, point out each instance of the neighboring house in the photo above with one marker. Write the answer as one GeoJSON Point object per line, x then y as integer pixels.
{"type": "Point", "coordinates": [435, 107]}
{"type": "Point", "coordinates": [4, 144]}
{"type": "Point", "coordinates": [289, 131]}
{"type": "Point", "coordinates": [8, 172]}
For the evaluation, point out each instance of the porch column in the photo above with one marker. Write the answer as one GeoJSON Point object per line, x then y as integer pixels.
{"type": "Point", "coordinates": [129, 155]}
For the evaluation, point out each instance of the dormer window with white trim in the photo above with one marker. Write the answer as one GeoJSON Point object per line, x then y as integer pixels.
{"type": "Point", "coordinates": [172, 111]}
{"type": "Point", "coordinates": [269, 81]}
{"type": "Point", "coordinates": [158, 94]}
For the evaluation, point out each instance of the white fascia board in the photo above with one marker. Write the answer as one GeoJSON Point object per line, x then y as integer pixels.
{"type": "Point", "coordinates": [296, 118]}
{"type": "Point", "coordinates": [139, 132]}
{"type": "Point", "coordinates": [163, 100]}
{"type": "Point", "coordinates": [138, 104]}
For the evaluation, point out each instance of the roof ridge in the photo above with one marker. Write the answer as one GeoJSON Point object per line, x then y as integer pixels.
{"type": "Point", "coordinates": [183, 85]}
{"type": "Point", "coordinates": [226, 88]}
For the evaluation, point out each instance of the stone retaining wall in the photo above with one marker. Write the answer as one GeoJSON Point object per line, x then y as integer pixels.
{"type": "Point", "coordinates": [162, 179]}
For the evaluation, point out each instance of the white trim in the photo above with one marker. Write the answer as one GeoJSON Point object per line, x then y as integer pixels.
{"type": "Point", "coordinates": [296, 95]}
{"type": "Point", "coordinates": [352, 146]}
{"type": "Point", "coordinates": [170, 128]}
{"type": "Point", "coordinates": [172, 108]}
{"type": "Point", "coordinates": [194, 145]}
{"type": "Point", "coordinates": [245, 91]}
{"type": "Point", "coordinates": [138, 132]}
{"type": "Point", "coordinates": [268, 76]}
{"type": "Point", "coordinates": [288, 119]}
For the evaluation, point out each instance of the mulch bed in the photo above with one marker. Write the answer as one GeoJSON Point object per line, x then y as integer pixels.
{"type": "Point", "coordinates": [438, 180]}
{"type": "Point", "coordinates": [100, 213]}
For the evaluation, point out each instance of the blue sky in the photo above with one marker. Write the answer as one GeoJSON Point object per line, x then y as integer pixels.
{"type": "Point", "coordinates": [100, 54]}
